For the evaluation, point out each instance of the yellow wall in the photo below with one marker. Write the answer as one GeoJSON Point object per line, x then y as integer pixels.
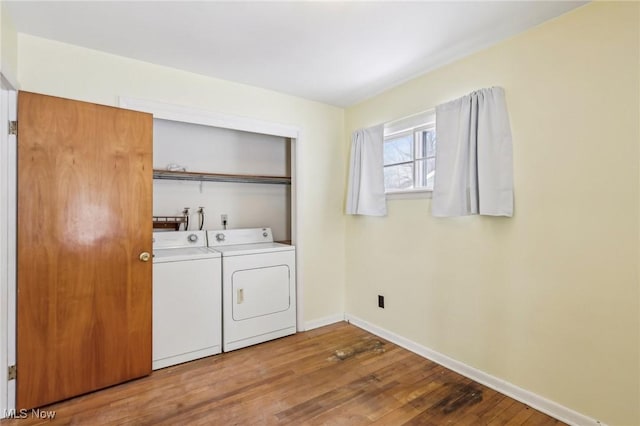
{"type": "Point", "coordinates": [549, 299]}
{"type": "Point", "coordinates": [73, 72]}
{"type": "Point", "coordinates": [8, 47]}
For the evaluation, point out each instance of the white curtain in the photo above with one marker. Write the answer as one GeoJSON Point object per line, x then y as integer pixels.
{"type": "Point", "coordinates": [365, 194]}
{"type": "Point", "coordinates": [474, 160]}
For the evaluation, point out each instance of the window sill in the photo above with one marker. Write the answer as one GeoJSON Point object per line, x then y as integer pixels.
{"type": "Point", "coordinates": [409, 194]}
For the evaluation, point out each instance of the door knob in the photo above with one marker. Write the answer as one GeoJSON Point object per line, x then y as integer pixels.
{"type": "Point", "coordinates": [145, 256]}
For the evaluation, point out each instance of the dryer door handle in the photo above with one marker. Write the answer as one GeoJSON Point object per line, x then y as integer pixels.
{"type": "Point", "coordinates": [240, 296]}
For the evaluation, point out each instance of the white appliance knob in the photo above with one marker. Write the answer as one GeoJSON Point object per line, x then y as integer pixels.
{"type": "Point", "coordinates": [219, 237]}
{"type": "Point", "coordinates": [264, 234]}
{"type": "Point", "coordinates": [192, 238]}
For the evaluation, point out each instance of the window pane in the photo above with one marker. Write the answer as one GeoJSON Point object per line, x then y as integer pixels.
{"type": "Point", "coordinates": [398, 177]}
{"type": "Point", "coordinates": [398, 150]}
{"type": "Point", "coordinates": [426, 143]}
{"type": "Point", "coordinates": [425, 173]}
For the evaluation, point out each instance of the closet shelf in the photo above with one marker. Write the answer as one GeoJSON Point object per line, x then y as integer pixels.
{"type": "Point", "coordinates": [218, 177]}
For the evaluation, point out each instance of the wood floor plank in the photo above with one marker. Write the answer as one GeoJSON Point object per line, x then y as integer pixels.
{"type": "Point", "coordinates": [334, 375]}
{"type": "Point", "coordinates": [523, 415]}
{"type": "Point", "coordinates": [540, 419]}
{"type": "Point", "coordinates": [399, 416]}
{"type": "Point", "coordinates": [503, 416]}
{"type": "Point", "coordinates": [479, 413]}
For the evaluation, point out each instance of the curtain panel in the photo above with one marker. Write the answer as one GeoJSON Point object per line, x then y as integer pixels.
{"type": "Point", "coordinates": [365, 193]}
{"type": "Point", "coordinates": [474, 159]}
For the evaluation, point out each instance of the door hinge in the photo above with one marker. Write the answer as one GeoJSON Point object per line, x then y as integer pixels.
{"type": "Point", "coordinates": [13, 127]}
{"type": "Point", "coordinates": [12, 373]}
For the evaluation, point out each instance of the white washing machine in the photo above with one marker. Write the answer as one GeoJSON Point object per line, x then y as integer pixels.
{"type": "Point", "coordinates": [258, 286]}
{"type": "Point", "coordinates": [187, 313]}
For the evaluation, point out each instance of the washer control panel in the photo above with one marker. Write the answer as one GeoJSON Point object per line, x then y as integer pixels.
{"type": "Point", "coordinates": [179, 239]}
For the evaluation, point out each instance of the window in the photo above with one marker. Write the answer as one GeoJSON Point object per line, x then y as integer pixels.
{"type": "Point", "coordinates": [409, 155]}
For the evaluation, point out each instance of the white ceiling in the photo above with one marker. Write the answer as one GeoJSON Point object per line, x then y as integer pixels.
{"type": "Point", "coordinates": [338, 53]}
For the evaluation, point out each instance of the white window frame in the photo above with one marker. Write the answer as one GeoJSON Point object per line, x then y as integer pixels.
{"type": "Point", "coordinates": [418, 123]}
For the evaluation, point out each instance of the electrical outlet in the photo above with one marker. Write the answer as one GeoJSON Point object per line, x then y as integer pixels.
{"type": "Point", "coordinates": [223, 219]}
{"type": "Point", "coordinates": [380, 301]}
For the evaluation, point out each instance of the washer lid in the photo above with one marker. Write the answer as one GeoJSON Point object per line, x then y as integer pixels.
{"type": "Point", "coordinates": [257, 248]}
{"type": "Point", "coordinates": [183, 254]}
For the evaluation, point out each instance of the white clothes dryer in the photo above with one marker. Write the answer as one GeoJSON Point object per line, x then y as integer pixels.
{"type": "Point", "coordinates": [258, 286]}
{"type": "Point", "coordinates": [187, 313]}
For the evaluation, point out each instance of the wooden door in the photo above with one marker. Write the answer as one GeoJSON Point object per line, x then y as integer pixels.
{"type": "Point", "coordinates": [84, 218]}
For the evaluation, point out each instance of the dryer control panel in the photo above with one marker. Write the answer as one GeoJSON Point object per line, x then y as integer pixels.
{"type": "Point", "coordinates": [229, 237]}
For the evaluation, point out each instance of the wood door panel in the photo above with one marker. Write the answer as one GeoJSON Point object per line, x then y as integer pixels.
{"type": "Point", "coordinates": [84, 209]}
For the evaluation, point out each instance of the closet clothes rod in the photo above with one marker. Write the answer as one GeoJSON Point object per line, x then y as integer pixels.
{"type": "Point", "coordinates": [219, 177]}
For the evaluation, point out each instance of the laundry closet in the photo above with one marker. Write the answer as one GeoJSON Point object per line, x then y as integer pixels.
{"type": "Point", "coordinates": [235, 284]}
{"type": "Point", "coordinates": [241, 176]}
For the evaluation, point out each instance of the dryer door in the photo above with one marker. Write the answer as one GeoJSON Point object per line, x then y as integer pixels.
{"type": "Point", "coordinates": [260, 291]}
{"type": "Point", "coordinates": [258, 298]}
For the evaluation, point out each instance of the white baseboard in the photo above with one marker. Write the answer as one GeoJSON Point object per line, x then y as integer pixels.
{"type": "Point", "coordinates": [321, 322]}
{"type": "Point", "coordinates": [533, 400]}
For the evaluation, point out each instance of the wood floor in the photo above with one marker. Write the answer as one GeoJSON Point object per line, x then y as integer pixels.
{"type": "Point", "coordinates": [335, 375]}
